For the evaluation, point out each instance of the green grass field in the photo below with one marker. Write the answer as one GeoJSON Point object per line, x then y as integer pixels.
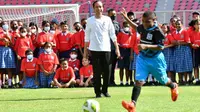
{"type": "Point", "coordinates": [152, 99]}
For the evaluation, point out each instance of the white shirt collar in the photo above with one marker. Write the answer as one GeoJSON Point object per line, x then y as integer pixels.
{"type": "Point", "coordinates": [179, 31]}
{"type": "Point", "coordinates": [47, 52]}
{"type": "Point", "coordinates": [29, 60]}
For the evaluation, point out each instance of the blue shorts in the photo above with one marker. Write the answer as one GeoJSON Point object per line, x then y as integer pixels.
{"type": "Point", "coordinates": [151, 65]}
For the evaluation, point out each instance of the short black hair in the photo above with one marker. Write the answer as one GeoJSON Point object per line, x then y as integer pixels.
{"type": "Point", "coordinates": [13, 21]}
{"type": "Point", "coordinates": [62, 60]}
{"type": "Point", "coordinates": [93, 4]}
{"type": "Point", "coordinates": [130, 13]}
{"type": "Point", "coordinates": [63, 23]}
{"type": "Point", "coordinates": [44, 23]}
{"type": "Point", "coordinates": [21, 28]}
{"type": "Point", "coordinates": [76, 23]}
{"type": "Point", "coordinates": [110, 10]}
{"type": "Point", "coordinates": [28, 51]}
{"type": "Point", "coordinates": [83, 19]}
{"type": "Point", "coordinates": [150, 14]}
{"type": "Point", "coordinates": [195, 13]}
{"type": "Point", "coordinates": [33, 24]}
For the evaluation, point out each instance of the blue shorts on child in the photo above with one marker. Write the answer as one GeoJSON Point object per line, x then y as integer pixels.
{"type": "Point", "coordinates": [45, 81]}
{"type": "Point", "coordinates": [155, 65]}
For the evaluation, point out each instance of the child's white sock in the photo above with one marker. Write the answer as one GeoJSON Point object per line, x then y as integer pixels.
{"type": "Point", "coordinates": [121, 82]}
{"type": "Point", "coordinates": [196, 80]}
{"type": "Point", "coordinates": [20, 82]}
{"type": "Point", "coordinates": [150, 78]}
{"type": "Point", "coordinates": [126, 82]}
{"type": "Point", "coordinates": [9, 82]}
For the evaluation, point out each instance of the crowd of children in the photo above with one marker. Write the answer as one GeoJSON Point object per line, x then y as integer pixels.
{"type": "Point", "coordinates": [51, 56]}
{"type": "Point", "coordinates": [43, 58]}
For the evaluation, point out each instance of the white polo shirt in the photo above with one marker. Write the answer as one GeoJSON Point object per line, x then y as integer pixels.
{"type": "Point", "coordinates": [98, 32]}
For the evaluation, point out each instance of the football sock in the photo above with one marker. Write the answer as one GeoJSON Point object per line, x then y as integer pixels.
{"type": "Point", "coordinates": [20, 82]}
{"type": "Point", "coordinates": [126, 82]}
{"type": "Point", "coordinates": [9, 82]}
{"type": "Point", "coordinates": [121, 82]}
{"type": "Point", "coordinates": [171, 85]}
{"type": "Point", "coordinates": [135, 93]}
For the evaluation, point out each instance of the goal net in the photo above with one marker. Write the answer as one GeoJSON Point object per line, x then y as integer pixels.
{"type": "Point", "coordinates": [38, 13]}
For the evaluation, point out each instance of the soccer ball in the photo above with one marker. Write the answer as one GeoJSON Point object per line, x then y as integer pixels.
{"type": "Point", "coordinates": [91, 106]}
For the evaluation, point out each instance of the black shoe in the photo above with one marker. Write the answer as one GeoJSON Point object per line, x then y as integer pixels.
{"type": "Point", "coordinates": [98, 96]}
{"type": "Point", "coordinates": [126, 84]}
{"type": "Point", "coordinates": [121, 84]}
{"type": "Point", "coordinates": [131, 83]}
{"type": "Point", "coordinates": [10, 87]}
{"type": "Point", "coordinates": [106, 94]}
{"type": "Point", "coordinates": [112, 84]}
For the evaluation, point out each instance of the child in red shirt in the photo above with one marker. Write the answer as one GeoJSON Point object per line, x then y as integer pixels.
{"type": "Point", "coordinates": [45, 36]}
{"type": "Point", "coordinates": [74, 63]}
{"type": "Point", "coordinates": [195, 41]}
{"type": "Point", "coordinates": [64, 77]}
{"type": "Point", "coordinates": [86, 73]}
{"type": "Point", "coordinates": [29, 67]}
{"type": "Point", "coordinates": [33, 32]}
{"type": "Point", "coordinates": [182, 52]}
{"type": "Point", "coordinates": [7, 61]}
{"type": "Point", "coordinates": [48, 62]}
{"type": "Point", "coordinates": [22, 44]}
{"type": "Point", "coordinates": [78, 39]}
{"type": "Point", "coordinates": [169, 52]}
{"type": "Point", "coordinates": [124, 39]}
{"type": "Point", "coordinates": [63, 41]}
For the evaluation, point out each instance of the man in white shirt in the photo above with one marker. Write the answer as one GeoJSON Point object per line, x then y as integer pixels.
{"type": "Point", "coordinates": [99, 31]}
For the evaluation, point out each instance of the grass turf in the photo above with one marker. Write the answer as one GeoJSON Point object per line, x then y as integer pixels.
{"type": "Point", "coordinates": [152, 99]}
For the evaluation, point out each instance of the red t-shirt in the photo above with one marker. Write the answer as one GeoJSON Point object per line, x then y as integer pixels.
{"type": "Point", "coordinates": [64, 75]}
{"type": "Point", "coordinates": [3, 35]}
{"type": "Point", "coordinates": [86, 71]}
{"type": "Point", "coordinates": [64, 42]}
{"type": "Point", "coordinates": [29, 67]}
{"type": "Point", "coordinates": [195, 37]}
{"type": "Point", "coordinates": [135, 40]}
{"type": "Point", "coordinates": [172, 29]}
{"type": "Point", "coordinates": [182, 36]}
{"type": "Point", "coordinates": [14, 36]}
{"type": "Point", "coordinates": [124, 39]}
{"type": "Point", "coordinates": [23, 44]}
{"type": "Point", "coordinates": [74, 63]}
{"type": "Point", "coordinates": [78, 39]}
{"type": "Point", "coordinates": [48, 61]}
{"type": "Point", "coordinates": [168, 39]}
{"type": "Point", "coordinates": [45, 37]}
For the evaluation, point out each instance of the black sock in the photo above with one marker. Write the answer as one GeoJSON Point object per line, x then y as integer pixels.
{"type": "Point", "coordinates": [135, 93]}
{"type": "Point", "coordinates": [171, 85]}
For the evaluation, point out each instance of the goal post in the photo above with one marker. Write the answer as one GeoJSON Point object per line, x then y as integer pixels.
{"type": "Point", "coordinates": [38, 13]}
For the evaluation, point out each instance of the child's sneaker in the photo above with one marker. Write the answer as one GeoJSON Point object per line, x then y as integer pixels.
{"type": "Point", "coordinates": [121, 84]}
{"type": "Point", "coordinates": [126, 84]}
{"type": "Point", "coordinates": [130, 106]}
{"type": "Point", "coordinates": [174, 93]}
